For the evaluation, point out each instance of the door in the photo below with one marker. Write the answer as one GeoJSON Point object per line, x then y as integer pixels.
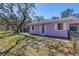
{"type": "Point", "coordinates": [43, 30]}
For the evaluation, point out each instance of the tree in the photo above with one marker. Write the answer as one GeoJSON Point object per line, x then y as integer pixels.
{"type": "Point", "coordinates": [76, 15]}
{"type": "Point", "coordinates": [2, 21]}
{"type": "Point", "coordinates": [55, 17]}
{"type": "Point", "coordinates": [67, 13]}
{"type": "Point", "coordinates": [3, 24]}
{"type": "Point", "coordinates": [39, 18]}
{"type": "Point", "coordinates": [16, 14]}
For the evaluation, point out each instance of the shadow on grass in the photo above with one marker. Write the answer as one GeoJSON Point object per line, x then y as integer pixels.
{"type": "Point", "coordinates": [6, 51]}
{"type": "Point", "coordinates": [6, 35]}
{"type": "Point", "coordinates": [29, 36]}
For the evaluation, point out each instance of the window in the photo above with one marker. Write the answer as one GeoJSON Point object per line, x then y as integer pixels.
{"type": "Point", "coordinates": [32, 27]}
{"type": "Point", "coordinates": [60, 26]}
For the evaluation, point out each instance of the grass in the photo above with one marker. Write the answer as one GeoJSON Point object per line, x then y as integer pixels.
{"type": "Point", "coordinates": [30, 45]}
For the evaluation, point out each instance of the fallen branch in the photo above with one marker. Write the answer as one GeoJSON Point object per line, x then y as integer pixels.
{"type": "Point", "coordinates": [17, 42]}
{"type": "Point", "coordinates": [7, 50]}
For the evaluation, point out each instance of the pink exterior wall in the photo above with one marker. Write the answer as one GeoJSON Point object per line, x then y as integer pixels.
{"type": "Point", "coordinates": [52, 32]}
{"type": "Point", "coordinates": [36, 29]}
{"type": "Point", "coordinates": [51, 29]}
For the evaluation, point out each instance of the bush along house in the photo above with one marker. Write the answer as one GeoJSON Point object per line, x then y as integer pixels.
{"type": "Point", "coordinates": [55, 28]}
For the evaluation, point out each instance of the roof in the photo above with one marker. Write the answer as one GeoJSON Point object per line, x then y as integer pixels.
{"type": "Point", "coordinates": [56, 20]}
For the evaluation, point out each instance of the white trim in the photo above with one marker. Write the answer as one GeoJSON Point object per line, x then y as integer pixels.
{"type": "Point", "coordinates": [64, 25]}
{"type": "Point", "coordinates": [31, 31]}
{"type": "Point", "coordinates": [45, 30]}
{"type": "Point", "coordinates": [41, 30]}
{"type": "Point", "coordinates": [30, 28]}
{"type": "Point", "coordinates": [55, 26]}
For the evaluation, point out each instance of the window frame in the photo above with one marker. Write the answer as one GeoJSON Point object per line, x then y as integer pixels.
{"type": "Point", "coordinates": [60, 28]}
{"type": "Point", "coordinates": [45, 29]}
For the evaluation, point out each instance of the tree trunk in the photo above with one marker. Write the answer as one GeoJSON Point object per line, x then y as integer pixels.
{"type": "Point", "coordinates": [19, 28]}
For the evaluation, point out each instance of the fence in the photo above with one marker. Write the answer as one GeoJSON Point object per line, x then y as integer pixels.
{"type": "Point", "coordinates": [74, 36]}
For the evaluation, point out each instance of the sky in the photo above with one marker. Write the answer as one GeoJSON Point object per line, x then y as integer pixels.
{"type": "Point", "coordinates": [54, 9]}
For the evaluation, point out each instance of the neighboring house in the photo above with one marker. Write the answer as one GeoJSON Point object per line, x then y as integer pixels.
{"type": "Point", "coordinates": [55, 28]}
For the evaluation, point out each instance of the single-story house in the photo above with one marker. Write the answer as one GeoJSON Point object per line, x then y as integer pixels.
{"type": "Point", "coordinates": [55, 28]}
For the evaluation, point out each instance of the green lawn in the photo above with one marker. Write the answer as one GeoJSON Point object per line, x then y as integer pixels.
{"type": "Point", "coordinates": [25, 44]}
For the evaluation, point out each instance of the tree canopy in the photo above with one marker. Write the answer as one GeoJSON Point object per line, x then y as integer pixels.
{"type": "Point", "coordinates": [39, 18]}
{"type": "Point", "coordinates": [16, 14]}
{"type": "Point", "coordinates": [67, 13]}
{"type": "Point", "coordinates": [54, 17]}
